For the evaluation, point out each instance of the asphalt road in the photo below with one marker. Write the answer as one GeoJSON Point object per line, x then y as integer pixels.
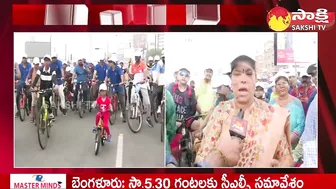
{"type": "Point", "coordinates": [72, 145]}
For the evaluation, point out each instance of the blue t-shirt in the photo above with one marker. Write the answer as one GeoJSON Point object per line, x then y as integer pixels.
{"type": "Point", "coordinates": [58, 66]}
{"type": "Point", "coordinates": [115, 77]}
{"type": "Point", "coordinates": [101, 71]}
{"type": "Point", "coordinates": [81, 73]}
{"type": "Point", "coordinates": [158, 68]}
{"type": "Point", "coordinates": [24, 71]}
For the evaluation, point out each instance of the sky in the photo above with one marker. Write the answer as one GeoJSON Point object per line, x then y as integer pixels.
{"type": "Point", "coordinates": [198, 51]}
{"type": "Point", "coordinates": [79, 44]}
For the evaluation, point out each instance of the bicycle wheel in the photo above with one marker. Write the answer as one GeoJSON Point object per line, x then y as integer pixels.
{"type": "Point", "coordinates": [90, 99]}
{"type": "Point", "coordinates": [97, 141]}
{"type": "Point", "coordinates": [134, 113]}
{"type": "Point", "coordinates": [113, 115]}
{"type": "Point", "coordinates": [155, 108]}
{"type": "Point", "coordinates": [162, 122]}
{"type": "Point", "coordinates": [41, 129]}
{"type": "Point", "coordinates": [103, 133]}
{"type": "Point", "coordinates": [80, 105]}
{"type": "Point", "coordinates": [54, 109]}
{"type": "Point", "coordinates": [21, 108]}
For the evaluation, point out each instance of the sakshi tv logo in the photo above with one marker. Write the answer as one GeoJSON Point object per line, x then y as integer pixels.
{"type": "Point", "coordinates": [53, 181]}
{"type": "Point", "coordinates": [280, 19]}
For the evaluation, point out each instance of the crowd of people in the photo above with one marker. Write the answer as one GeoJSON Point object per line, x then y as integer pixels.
{"type": "Point", "coordinates": [65, 78]}
{"type": "Point", "coordinates": [243, 124]}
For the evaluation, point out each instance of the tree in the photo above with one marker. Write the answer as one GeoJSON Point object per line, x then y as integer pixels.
{"type": "Point", "coordinates": [153, 52]}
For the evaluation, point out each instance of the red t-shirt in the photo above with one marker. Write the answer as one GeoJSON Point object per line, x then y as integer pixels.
{"type": "Point", "coordinates": [140, 68]}
{"type": "Point", "coordinates": [104, 106]}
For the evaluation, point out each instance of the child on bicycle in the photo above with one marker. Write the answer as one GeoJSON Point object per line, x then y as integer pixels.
{"type": "Point", "coordinates": [105, 107]}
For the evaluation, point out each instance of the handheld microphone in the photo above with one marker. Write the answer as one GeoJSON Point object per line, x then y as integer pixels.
{"type": "Point", "coordinates": [238, 127]}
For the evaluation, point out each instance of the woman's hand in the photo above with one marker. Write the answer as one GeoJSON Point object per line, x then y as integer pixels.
{"type": "Point", "coordinates": [294, 139]}
{"type": "Point", "coordinates": [230, 148]}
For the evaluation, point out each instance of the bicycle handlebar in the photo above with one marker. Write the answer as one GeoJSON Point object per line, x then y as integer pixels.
{"type": "Point", "coordinates": [183, 120]}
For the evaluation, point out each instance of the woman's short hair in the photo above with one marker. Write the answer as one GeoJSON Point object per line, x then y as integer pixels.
{"type": "Point", "coordinates": [243, 58]}
{"type": "Point", "coordinates": [281, 77]}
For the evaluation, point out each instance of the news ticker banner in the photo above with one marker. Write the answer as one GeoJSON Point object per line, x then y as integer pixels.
{"type": "Point", "coordinates": [278, 18]}
{"type": "Point", "coordinates": [158, 181]}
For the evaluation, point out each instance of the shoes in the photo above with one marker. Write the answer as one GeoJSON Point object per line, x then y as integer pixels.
{"type": "Point", "coordinates": [149, 122]}
{"type": "Point", "coordinates": [51, 116]}
{"type": "Point", "coordinates": [109, 138]}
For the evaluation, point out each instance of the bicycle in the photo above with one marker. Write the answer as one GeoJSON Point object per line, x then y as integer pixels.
{"type": "Point", "coordinates": [154, 102]}
{"type": "Point", "coordinates": [163, 121]}
{"type": "Point", "coordinates": [135, 110]}
{"type": "Point", "coordinates": [43, 122]}
{"type": "Point", "coordinates": [114, 101]}
{"type": "Point", "coordinates": [90, 97]}
{"type": "Point", "coordinates": [187, 156]}
{"type": "Point", "coordinates": [55, 103]}
{"type": "Point", "coordinates": [101, 136]}
{"type": "Point", "coordinates": [80, 100]}
{"type": "Point", "coordinates": [22, 107]}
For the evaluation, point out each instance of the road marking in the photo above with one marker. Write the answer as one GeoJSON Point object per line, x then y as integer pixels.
{"type": "Point", "coordinates": [120, 144]}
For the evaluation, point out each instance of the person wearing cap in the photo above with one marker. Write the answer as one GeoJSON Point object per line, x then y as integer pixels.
{"type": "Point", "coordinates": [309, 136]}
{"type": "Point", "coordinates": [304, 91]}
{"type": "Point", "coordinates": [22, 73]}
{"type": "Point", "coordinates": [48, 79]}
{"type": "Point", "coordinates": [205, 95]}
{"type": "Point", "coordinates": [158, 71]}
{"type": "Point", "coordinates": [81, 74]}
{"type": "Point", "coordinates": [150, 62]}
{"type": "Point", "coordinates": [105, 107]}
{"type": "Point", "coordinates": [265, 144]}
{"type": "Point", "coordinates": [115, 76]}
{"type": "Point", "coordinates": [223, 89]}
{"type": "Point", "coordinates": [140, 75]}
{"type": "Point", "coordinates": [99, 74]}
{"type": "Point", "coordinates": [58, 66]}
{"type": "Point", "coordinates": [31, 77]}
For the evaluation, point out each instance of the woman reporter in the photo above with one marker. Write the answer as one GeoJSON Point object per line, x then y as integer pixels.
{"type": "Point", "coordinates": [264, 140]}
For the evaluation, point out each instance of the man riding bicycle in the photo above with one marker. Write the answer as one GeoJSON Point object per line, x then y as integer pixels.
{"type": "Point", "coordinates": [115, 75]}
{"type": "Point", "coordinates": [100, 71]}
{"type": "Point", "coordinates": [48, 79]}
{"type": "Point", "coordinates": [22, 72]}
{"type": "Point", "coordinates": [58, 67]}
{"type": "Point", "coordinates": [81, 74]}
{"type": "Point", "coordinates": [140, 76]}
{"type": "Point", "coordinates": [31, 77]}
{"type": "Point", "coordinates": [186, 106]}
{"type": "Point", "coordinates": [158, 71]}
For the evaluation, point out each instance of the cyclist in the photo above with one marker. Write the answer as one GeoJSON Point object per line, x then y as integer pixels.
{"type": "Point", "coordinates": [150, 62]}
{"type": "Point", "coordinates": [22, 72]}
{"type": "Point", "coordinates": [186, 105]}
{"type": "Point", "coordinates": [140, 74]}
{"type": "Point", "coordinates": [115, 75]}
{"type": "Point", "coordinates": [81, 74]}
{"type": "Point", "coordinates": [158, 77]}
{"type": "Point", "coordinates": [48, 79]}
{"type": "Point", "coordinates": [105, 107]}
{"type": "Point", "coordinates": [100, 71]}
{"type": "Point", "coordinates": [31, 77]}
{"type": "Point", "coordinates": [58, 66]}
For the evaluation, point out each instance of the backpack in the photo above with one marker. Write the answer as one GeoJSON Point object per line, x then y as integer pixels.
{"type": "Point", "coordinates": [190, 94]}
